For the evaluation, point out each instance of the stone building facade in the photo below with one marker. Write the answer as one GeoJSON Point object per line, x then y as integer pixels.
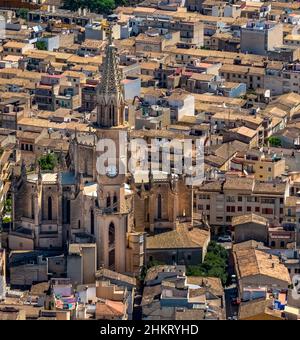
{"type": "Point", "coordinates": [77, 203]}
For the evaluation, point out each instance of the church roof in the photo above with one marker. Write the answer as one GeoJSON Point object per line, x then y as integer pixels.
{"type": "Point", "coordinates": [182, 237]}
{"type": "Point", "coordinates": [68, 178]}
{"type": "Point", "coordinates": [46, 177]}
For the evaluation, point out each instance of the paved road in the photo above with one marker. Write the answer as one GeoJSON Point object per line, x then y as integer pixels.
{"type": "Point", "coordinates": [231, 310]}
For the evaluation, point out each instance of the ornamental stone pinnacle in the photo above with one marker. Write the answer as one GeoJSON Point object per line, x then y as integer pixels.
{"type": "Point", "coordinates": [110, 111]}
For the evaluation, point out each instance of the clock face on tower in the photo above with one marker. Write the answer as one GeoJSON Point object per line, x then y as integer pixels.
{"type": "Point", "coordinates": [111, 171]}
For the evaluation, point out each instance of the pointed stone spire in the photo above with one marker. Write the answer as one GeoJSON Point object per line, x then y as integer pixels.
{"type": "Point", "coordinates": [111, 78]}
{"type": "Point", "coordinates": [110, 109]}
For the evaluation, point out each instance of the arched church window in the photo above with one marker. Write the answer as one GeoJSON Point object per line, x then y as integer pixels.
{"type": "Point", "coordinates": [92, 223]}
{"type": "Point", "coordinates": [159, 206]}
{"type": "Point", "coordinates": [110, 114]}
{"type": "Point", "coordinates": [111, 243]}
{"type": "Point", "coordinates": [111, 234]}
{"type": "Point", "coordinates": [86, 164]}
{"type": "Point", "coordinates": [108, 201]}
{"type": "Point", "coordinates": [32, 206]}
{"type": "Point", "coordinates": [49, 208]}
{"type": "Point", "coordinates": [115, 202]}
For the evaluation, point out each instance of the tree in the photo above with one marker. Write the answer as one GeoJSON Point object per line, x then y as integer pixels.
{"type": "Point", "coordinates": [41, 45]}
{"type": "Point", "coordinates": [274, 141]}
{"type": "Point", "coordinates": [97, 6]}
{"type": "Point", "coordinates": [48, 162]}
{"type": "Point", "coordinates": [215, 263]}
{"type": "Point", "coordinates": [23, 13]}
{"type": "Point", "coordinates": [8, 206]}
{"type": "Point", "coordinates": [6, 220]}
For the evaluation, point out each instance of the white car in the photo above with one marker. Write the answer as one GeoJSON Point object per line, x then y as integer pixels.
{"type": "Point", "coordinates": [224, 238]}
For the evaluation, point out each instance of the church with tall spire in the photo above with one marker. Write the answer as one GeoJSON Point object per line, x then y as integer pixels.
{"type": "Point", "coordinates": [114, 210]}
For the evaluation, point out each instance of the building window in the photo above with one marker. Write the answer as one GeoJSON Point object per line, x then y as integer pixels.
{"type": "Point", "coordinates": [49, 208]}
{"type": "Point", "coordinates": [32, 206]}
{"type": "Point", "coordinates": [159, 207]}
{"type": "Point", "coordinates": [108, 202]}
{"type": "Point", "coordinates": [111, 234]}
{"type": "Point", "coordinates": [115, 201]}
{"type": "Point", "coordinates": [92, 223]}
{"type": "Point", "coordinates": [111, 242]}
{"type": "Point", "coordinates": [267, 211]}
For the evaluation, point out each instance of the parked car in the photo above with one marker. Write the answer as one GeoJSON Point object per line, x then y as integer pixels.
{"type": "Point", "coordinates": [235, 301]}
{"type": "Point", "coordinates": [225, 238]}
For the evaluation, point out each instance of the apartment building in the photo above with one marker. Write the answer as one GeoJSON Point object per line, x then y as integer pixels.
{"type": "Point", "coordinates": [259, 37]}
{"type": "Point", "coordinates": [16, 48]}
{"type": "Point", "coordinates": [155, 41]}
{"type": "Point", "coordinates": [191, 30]}
{"type": "Point", "coordinates": [55, 91]}
{"type": "Point", "coordinates": [264, 167]}
{"type": "Point", "coordinates": [221, 201]}
{"type": "Point", "coordinates": [89, 95]}
{"type": "Point", "coordinates": [253, 77]}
